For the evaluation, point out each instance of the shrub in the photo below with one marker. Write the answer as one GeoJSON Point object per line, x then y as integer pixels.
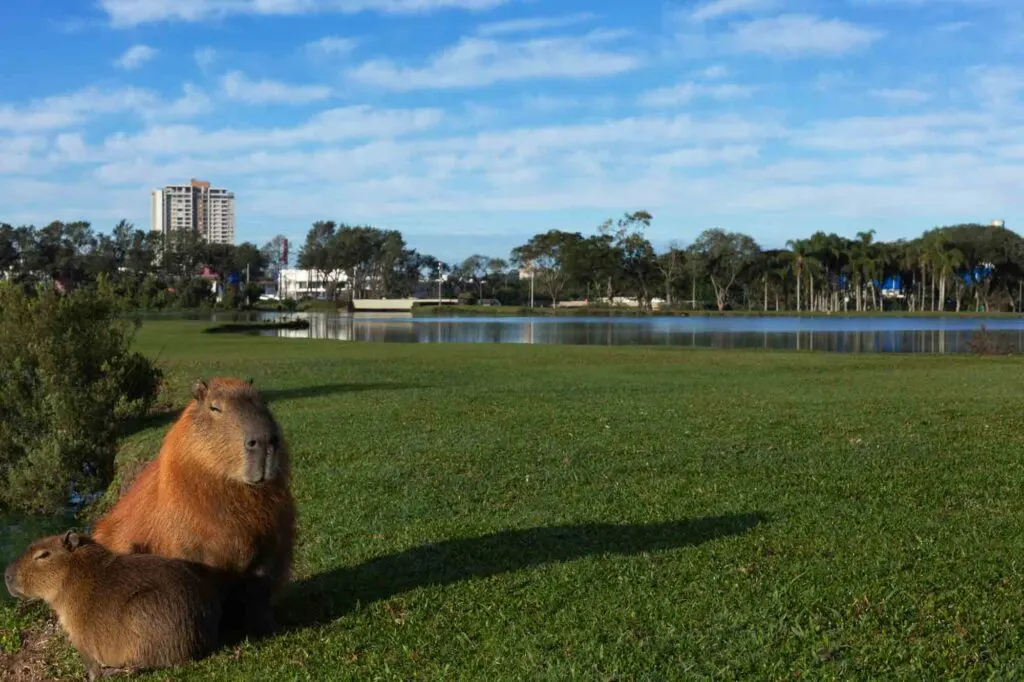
{"type": "Point", "coordinates": [195, 293]}
{"type": "Point", "coordinates": [252, 293]}
{"type": "Point", "coordinates": [70, 380]}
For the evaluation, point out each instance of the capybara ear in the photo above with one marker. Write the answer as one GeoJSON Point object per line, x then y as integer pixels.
{"type": "Point", "coordinates": [71, 540]}
{"type": "Point", "coordinates": [199, 389]}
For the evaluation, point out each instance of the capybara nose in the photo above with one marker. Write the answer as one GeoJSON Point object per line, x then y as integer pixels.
{"type": "Point", "coordinates": [9, 580]}
{"type": "Point", "coordinates": [260, 443]}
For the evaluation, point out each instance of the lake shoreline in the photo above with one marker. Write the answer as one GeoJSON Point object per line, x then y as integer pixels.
{"type": "Point", "coordinates": [526, 311]}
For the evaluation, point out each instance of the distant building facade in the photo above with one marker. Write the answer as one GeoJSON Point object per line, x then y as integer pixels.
{"type": "Point", "coordinates": [302, 283]}
{"type": "Point", "coordinates": [197, 206]}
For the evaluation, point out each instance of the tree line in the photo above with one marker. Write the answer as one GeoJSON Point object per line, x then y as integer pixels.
{"type": "Point", "coordinates": [147, 268]}
{"type": "Point", "coordinates": [956, 267]}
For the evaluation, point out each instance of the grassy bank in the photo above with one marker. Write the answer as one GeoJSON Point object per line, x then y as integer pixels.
{"type": "Point", "coordinates": [509, 512]}
{"type": "Point", "coordinates": [500, 311]}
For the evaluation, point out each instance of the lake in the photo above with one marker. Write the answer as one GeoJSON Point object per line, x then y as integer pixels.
{"type": "Point", "coordinates": [860, 334]}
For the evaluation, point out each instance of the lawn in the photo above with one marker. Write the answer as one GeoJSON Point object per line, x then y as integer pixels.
{"type": "Point", "coordinates": [502, 512]}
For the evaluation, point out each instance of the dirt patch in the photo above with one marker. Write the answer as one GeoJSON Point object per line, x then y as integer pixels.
{"type": "Point", "coordinates": [42, 646]}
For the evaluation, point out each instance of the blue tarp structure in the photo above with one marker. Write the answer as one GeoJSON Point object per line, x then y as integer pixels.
{"type": "Point", "coordinates": [980, 274]}
{"type": "Point", "coordinates": [893, 282]}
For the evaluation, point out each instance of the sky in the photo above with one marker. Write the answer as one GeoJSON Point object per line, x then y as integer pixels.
{"type": "Point", "coordinates": [471, 125]}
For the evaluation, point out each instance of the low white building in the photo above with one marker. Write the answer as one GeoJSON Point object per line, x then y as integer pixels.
{"type": "Point", "coordinates": [300, 283]}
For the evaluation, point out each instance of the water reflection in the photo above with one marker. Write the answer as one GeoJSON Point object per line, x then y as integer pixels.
{"type": "Point", "coordinates": [841, 335]}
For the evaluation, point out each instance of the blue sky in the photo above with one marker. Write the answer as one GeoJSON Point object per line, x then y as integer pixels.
{"type": "Point", "coordinates": [472, 124]}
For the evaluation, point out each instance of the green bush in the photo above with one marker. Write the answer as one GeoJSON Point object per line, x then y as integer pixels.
{"type": "Point", "coordinates": [195, 293]}
{"type": "Point", "coordinates": [70, 381]}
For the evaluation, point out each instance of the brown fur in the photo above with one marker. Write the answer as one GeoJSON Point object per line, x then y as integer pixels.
{"type": "Point", "coordinates": [193, 501]}
{"type": "Point", "coordinates": [121, 611]}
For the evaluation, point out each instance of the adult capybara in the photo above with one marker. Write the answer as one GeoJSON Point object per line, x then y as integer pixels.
{"type": "Point", "coordinates": [121, 610]}
{"type": "Point", "coordinates": [216, 493]}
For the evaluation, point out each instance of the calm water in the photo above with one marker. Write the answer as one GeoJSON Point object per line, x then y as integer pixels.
{"type": "Point", "coordinates": [888, 334]}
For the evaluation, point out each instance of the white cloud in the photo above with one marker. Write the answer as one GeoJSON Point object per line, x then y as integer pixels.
{"type": "Point", "coordinates": [193, 102]}
{"type": "Point", "coordinates": [63, 111]}
{"type": "Point", "coordinates": [70, 147]}
{"type": "Point", "coordinates": [329, 126]}
{"type": "Point", "coordinates": [693, 157]}
{"type": "Point", "coordinates": [60, 112]}
{"type": "Point", "coordinates": [129, 13]}
{"type": "Point", "coordinates": [532, 24]}
{"type": "Point", "coordinates": [332, 45]}
{"type": "Point", "coordinates": [135, 56]}
{"type": "Point", "coordinates": [717, 9]}
{"type": "Point", "coordinates": [949, 130]}
{"type": "Point", "coordinates": [794, 35]}
{"type": "Point", "coordinates": [714, 72]}
{"type": "Point", "coordinates": [997, 86]}
{"type": "Point", "coordinates": [676, 95]}
{"type": "Point", "coordinates": [479, 61]}
{"type": "Point", "coordinates": [205, 57]}
{"type": "Point", "coordinates": [17, 154]}
{"type": "Point", "coordinates": [237, 86]}
{"type": "Point", "coordinates": [901, 95]}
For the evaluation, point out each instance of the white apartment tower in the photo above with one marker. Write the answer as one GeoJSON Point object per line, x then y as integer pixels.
{"type": "Point", "coordinates": [195, 206]}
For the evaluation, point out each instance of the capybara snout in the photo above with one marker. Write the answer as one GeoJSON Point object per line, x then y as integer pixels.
{"type": "Point", "coordinates": [10, 581]}
{"type": "Point", "coordinates": [38, 572]}
{"type": "Point", "coordinates": [261, 446]}
{"type": "Point", "coordinates": [261, 462]}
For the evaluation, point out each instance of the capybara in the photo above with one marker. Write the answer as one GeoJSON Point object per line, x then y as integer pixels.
{"type": "Point", "coordinates": [216, 493]}
{"type": "Point", "coordinates": [121, 610]}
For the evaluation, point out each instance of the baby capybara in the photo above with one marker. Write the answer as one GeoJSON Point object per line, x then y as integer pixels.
{"type": "Point", "coordinates": [217, 493]}
{"type": "Point", "coordinates": [121, 610]}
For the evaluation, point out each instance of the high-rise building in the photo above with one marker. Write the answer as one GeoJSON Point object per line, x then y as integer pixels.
{"type": "Point", "coordinates": [196, 206]}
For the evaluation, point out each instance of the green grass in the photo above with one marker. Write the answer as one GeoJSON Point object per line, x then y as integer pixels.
{"type": "Point", "coordinates": [505, 512]}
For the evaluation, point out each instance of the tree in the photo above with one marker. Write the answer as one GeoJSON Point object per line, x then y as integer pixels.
{"type": "Point", "coordinates": [246, 259]}
{"type": "Point", "coordinates": [799, 255]}
{"type": "Point", "coordinates": [724, 255]}
{"type": "Point", "coordinates": [670, 265]}
{"type": "Point", "coordinates": [320, 253]}
{"type": "Point", "coordinates": [275, 255]}
{"type": "Point", "coordinates": [475, 268]}
{"type": "Point", "coordinates": [546, 257]}
{"type": "Point", "coordinates": [639, 263]}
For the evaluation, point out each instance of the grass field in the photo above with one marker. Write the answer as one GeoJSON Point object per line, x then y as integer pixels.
{"type": "Point", "coordinates": [548, 512]}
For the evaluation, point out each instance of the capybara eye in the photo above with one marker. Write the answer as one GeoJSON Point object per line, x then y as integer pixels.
{"type": "Point", "coordinates": [42, 555]}
{"type": "Point", "coordinates": [214, 408]}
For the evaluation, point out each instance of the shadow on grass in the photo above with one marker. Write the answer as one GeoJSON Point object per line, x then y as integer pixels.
{"type": "Point", "coordinates": [248, 327]}
{"type": "Point", "coordinates": [156, 419]}
{"type": "Point", "coordinates": [317, 391]}
{"type": "Point", "coordinates": [331, 595]}
{"type": "Point", "coordinates": [165, 417]}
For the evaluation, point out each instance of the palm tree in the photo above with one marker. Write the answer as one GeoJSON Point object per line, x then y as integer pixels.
{"type": "Point", "coordinates": [863, 264]}
{"type": "Point", "coordinates": [947, 259]}
{"type": "Point", "coordinates": [802, 261]}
